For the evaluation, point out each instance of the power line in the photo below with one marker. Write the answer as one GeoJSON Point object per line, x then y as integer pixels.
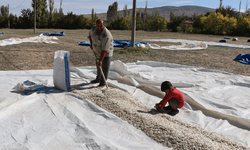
{"type": "Point", "coordinates": [19, 5]}
{"type": "Point", "coordinates": [11, 2]}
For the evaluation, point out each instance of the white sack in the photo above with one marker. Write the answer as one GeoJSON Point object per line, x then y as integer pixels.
{"type": "Point", "coordinates": [61, 74]}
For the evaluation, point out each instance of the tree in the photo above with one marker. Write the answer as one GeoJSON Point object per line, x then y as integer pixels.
{"type": "Point", "coordinates": [93, 17]}
{"type": "Point", "coordinates": [4, 10]}
{"type": "Point", "coordinates": [125, 11]}
{"type": "Point", "coordinates": [145, 12]}
{"type": "Point", "coordinates": [4, 16]}
{"type": "Point", "coordinates": [60, 9]}
{"type": "Point", "coordinates": [243, 26]}
{"type": "Point", "coordinates": [118, 24]}
{"type": "Point", "coordinates": [41, 12]}
{"type": "Point", "coordinates": [198, 25]}
{"type": "Point", "coordinates": [92, 14]}
{"type": "Point", "coordinates": [157, 23]}
{"type": "Point", "coordinates": [228, 10]}
{"type": "Point", "coordinates": [44, 14]}
{"type": "Point", "coordinates": [246, 6]}
{"type": "Point", "coordinates": [112, 11]}
{"type": "Point", "coordinates": [239, 6]}
{"type": "Point", "coordinates": [174, 22]}
{"type": "Point", "coordinates": [14, 21]}
{"type": "Point", "coordinates": [220, 3]}
{"type": "Point", "coordinates": [216, 23]}
{"type": "Point", "coordinates": [25, 20]}
{"type": "Point", "coordinates": [51, 8]}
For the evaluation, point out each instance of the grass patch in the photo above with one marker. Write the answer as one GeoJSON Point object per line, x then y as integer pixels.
{"type": "Point", "coordinates": [133, 50]}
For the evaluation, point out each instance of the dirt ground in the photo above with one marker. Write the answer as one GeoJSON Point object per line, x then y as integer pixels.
{"type": "Point", "coordinates": [27, 56]}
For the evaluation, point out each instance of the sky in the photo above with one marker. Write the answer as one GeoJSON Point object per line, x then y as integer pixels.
{"type": "Point", "coordinates": [101, 6]}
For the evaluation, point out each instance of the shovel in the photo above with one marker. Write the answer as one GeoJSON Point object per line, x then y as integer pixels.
{"type": "Point", "coordinates": [101, 70]}
{"type": "Point", "coordinates": [104, 77]}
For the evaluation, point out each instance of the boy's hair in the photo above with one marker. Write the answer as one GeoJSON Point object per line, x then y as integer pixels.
{"type": "Point", "coordinates": [165, 85]}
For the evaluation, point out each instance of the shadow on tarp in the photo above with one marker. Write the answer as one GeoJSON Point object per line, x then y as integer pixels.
{"type": "Point", "coordinates": [54, 90]}
{"type": "Point", "coordinates": [82, 86]}
{"type": "Point", "coordinates": [154, 111]}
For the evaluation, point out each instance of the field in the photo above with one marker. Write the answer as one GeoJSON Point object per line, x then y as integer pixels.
{"type": "Point", "coordinates": [35, 56]}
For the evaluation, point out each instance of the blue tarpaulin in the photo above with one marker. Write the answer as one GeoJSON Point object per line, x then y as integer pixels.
{"type": "Point", "coordinates": [117, 43]}
{"type": "Point", "coordinates": [243, 58]}
{"type": "Point", "coordinates": [1, 32]}
{"type": "Point", "coordinates": [54, 34]}
{"type": "Point", "coordinates": [84, 43]}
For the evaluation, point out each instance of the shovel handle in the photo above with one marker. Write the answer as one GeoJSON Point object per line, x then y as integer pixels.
{"type": "Point", "coordinates": [103, 77]}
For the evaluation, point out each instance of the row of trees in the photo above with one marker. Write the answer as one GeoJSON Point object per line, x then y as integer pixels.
{"type": "Point", "coordinates": [144, 21]}
{"type": "Point", "coordinates": [217, 23]}
{"type": "Point", "coordinates": [45, 18]}
{"type": "Point", "coordinates": [53, 18]}
{"type": "Point", "coordinates": [225, 20]}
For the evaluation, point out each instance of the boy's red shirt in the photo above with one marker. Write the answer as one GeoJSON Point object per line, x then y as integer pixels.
{"type": "Point", "coordinates": [176, 94]}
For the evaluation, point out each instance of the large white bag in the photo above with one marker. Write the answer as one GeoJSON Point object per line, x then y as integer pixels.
{"type": "Point", "coordinates": [61, 74]}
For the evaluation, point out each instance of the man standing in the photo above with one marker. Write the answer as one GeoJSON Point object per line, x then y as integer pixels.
{"type": "Point", "coordinates": [101, 42]}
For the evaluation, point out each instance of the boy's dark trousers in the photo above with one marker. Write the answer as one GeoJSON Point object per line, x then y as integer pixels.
{"type": "Point", "coordinates": [172, 108]}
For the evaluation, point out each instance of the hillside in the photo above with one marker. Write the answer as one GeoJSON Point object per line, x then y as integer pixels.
{"type": "Point", "coordinates": [164, 11]}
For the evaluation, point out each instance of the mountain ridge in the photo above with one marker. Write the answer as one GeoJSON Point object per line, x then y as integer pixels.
{"type": "Point", "coordinates": [164, 11]}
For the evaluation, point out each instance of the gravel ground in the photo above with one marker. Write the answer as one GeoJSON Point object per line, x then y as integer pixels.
{"type": "Point", "coordinates": [164, 129]}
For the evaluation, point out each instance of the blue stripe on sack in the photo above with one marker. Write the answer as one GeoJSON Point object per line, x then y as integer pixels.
{"type": "Point", "coordinates": [66, 71]}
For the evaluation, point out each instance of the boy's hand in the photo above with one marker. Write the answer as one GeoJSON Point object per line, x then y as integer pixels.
{"type": "Point", "coordinates": [158, 106]}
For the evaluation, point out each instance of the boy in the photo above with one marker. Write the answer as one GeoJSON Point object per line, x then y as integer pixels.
{"type": "Point", "coordinates": [174, 98]}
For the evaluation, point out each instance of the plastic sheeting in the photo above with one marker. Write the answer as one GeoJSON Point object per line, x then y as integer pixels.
{"type": "Point", "coordinates": [36, 39]}
{"type": "Point", "coordinates": [183, 46]}
{"type": "Point", "coordinates": [208, 43]}
{"type": "Point", "coordinates": [127, 43]}
{"type": "Point", "coordinates": [243, 58]}
{"type": "Point", "coordinates": [215, 100]}
{"type": "Point", "coordinates": [59, 120]}
{"type": "Point", "coordinates": [117, 43]}
{"type": "Point", "coordinates": [84, 43]}
{"type": "Point", "coordinates": [54, 34]}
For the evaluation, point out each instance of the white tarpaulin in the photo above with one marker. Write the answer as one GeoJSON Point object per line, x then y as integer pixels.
{"type": "Point", "coordinates": [215, 100]}
{"type": "Point", "coordinates": [208, 43]}
{"type": "Point", "coordinates": [183, 46]}
{"type": "Point", "coordinates": [59, 120]}
{"type": "Point", "coordinates": [36, 39]}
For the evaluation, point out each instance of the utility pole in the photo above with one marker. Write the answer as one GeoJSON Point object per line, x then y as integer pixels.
{"type": "Point", "coordinates": [9, 16]}
{"type": "Point", "coordinates": [35, 17]}
{"type": "Point", "coordinates": [133, 24]}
